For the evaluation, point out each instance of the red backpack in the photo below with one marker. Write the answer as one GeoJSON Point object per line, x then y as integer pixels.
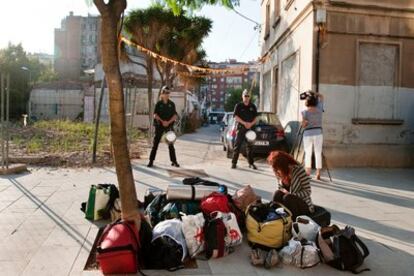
{"type": "Point", "coordinates": [117, 249]}
{"type": "Point", "coordinates": [215, 202]}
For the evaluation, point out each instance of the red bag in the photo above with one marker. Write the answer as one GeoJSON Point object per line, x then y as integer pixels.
{"type": "Point", "coordinates": [215, 202]}
{"type": "Point", "coordinates": [117, 251]}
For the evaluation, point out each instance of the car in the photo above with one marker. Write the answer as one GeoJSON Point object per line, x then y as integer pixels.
{"type": "Point", "coordinates": [215, 117]}
{"type": "Point", "coordinates": [225, 122]}
{"type": "Point", "coordinates": [270, 136]}
{"type": "Point", "coordinates": [224, 128]}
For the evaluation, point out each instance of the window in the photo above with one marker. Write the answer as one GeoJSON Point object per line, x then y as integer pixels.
{"type": "Point", "coordinates": [378, 79]}
{"type": "Point", "coordinates": [267, 22]}
{"type": "Point", "coordinates": [277, 12]}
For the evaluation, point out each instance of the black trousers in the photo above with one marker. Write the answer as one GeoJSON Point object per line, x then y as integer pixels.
{"type": "Point", "coordinates": [159, 131]}
{"type": "Point", "coordinates": [295, 204]}
{"type": "Point", "coordinates": [240, 139]}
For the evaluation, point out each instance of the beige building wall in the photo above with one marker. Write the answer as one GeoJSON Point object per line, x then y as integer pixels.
{"type": "Point", "coordinates": [289, 65]}
{"type": "Point", "coordinates": [366, 74]}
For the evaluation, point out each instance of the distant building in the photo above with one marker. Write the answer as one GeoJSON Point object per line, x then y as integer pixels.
{"type": "Point", "coordinates": [216, 89]}
{"type": "Point", "coordinates": [43, 58]}
{"type": "Point", "coordinates": [363, 65]}
{"type": "Point", "coordinates": [77, 46]}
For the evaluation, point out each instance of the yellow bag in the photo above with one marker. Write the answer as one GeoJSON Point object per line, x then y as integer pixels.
{"type": "Point", "coordinates": [275, 233]}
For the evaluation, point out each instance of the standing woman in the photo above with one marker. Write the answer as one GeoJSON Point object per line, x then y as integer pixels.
{"type": "Point", "coordinates": [312, 134]}
{"type": "Point", "coordinates": [294, 189]}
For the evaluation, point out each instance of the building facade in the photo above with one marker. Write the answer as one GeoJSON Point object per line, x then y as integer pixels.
{"type": "Point", "coordinates": [77, 46]}
{"type": "Point", "coordinates": [358, 54]}
{"type": "Point", "coordinates": [217, 88]}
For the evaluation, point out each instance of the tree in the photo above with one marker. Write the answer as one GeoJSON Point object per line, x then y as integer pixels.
{"type": "Point", "coordinates": [24, 72]}
{"type": "Point", "coordinates": [183, 43]}
{"type": "Point", "coordinates": [147, 28]}
{"type": "Point", "coordinates": [110, 16]}
{"type": "Point", "coordinates": [111, 11]}
{"type": "Point", "coordinates": [234, 96]}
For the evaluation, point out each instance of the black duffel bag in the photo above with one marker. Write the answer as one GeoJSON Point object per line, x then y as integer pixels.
{"type": "Point", "coordinates": [321, 216]}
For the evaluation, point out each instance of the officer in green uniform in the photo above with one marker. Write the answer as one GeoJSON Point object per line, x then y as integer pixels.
{"type": "Point", "coordinates": [164, 117]}
{"type": "Point", "coordinates": [245, 114]}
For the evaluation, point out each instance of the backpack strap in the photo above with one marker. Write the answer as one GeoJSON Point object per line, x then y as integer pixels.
{"type": "Point", "coordinates": [357, 242]}
{"type": "Point", "coordinates": [362, 245]}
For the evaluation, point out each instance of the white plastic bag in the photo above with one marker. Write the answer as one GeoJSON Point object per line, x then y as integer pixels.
{"type": "Point", "coordinates": [193, 232]}
{"type": "Point", "coordinates": [234, 236]}
{"type": "Point", "coordinates": [305, 228]}
{"type": "Point", "coordinates": [303, 254]}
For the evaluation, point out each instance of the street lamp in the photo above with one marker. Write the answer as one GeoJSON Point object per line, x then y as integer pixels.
{"type": "Point", "coordinates": [24, 68]}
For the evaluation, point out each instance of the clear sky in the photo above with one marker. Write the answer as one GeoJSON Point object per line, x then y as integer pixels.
{"type": "Point", "coordinates": [32, 23]}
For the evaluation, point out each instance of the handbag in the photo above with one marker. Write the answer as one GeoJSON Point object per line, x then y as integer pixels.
{"type": "Point", "coordinates": [215, 202]}
{"type": "Point", "coordinates": [244, 197]}
{"type": "Point", "coordinates": [268, 224]}
{"type": "Point", "coordinates": [233, 234]}
{"type": "Point", "coordinates": [193, 230]}
{"type": "Point", "coordinates": [214, 234]}
{"type": "Point", "coordinates": [117, 248]}
{"type": "Point", "coordinates": [300, 253]}
{"type": "Point", "coordinates": [97, 202]}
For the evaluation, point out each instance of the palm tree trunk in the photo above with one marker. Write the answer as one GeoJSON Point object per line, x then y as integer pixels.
{"type": "Point", "coordinates": [111, 13]}
{"type": "Point", "coordinates": [150, 77]}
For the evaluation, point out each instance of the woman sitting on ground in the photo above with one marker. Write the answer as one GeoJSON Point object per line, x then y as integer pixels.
{"type": "Point", "coordinates": [294, 184]}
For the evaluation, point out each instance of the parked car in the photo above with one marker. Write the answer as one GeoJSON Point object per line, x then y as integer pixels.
{"type": "Point", "coordinates": [215, 117]}
{"type": "Point", "coordinates": [270, 135]}
{"type": "Point", "coordinates": [225, 122]}
{"type": "Point", "coordinates": [226, 125]}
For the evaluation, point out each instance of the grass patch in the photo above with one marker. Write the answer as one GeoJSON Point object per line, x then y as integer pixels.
{"type": "Point", "coordinates": [62, 136]}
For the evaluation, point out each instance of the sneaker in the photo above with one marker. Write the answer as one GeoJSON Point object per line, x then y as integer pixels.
{"type": "Point", "coordinates": [175, 164]}
{"type": "Point", "coordinates": [257, 257]}
{"type": "Point", "coordinates": [233, 166]}
{"type": "Point", "coordinates": [253, 166]}
{"type": "Point", "coordinates": [150, 164]}
{"type": "Point", "coordinates": [272, 259]}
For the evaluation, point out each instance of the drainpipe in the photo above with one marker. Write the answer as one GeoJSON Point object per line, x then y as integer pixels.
{"type": "Point", "coordinates": [320, 22]}
{"type": "Point", "coordinates": [318, 49]}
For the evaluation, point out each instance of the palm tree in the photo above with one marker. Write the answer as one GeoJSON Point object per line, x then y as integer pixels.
{"type": "Point", "coordinates": [111, 11]}
{"type": "Point", "coordinates": [147, 28]}
{"type": "Point", "coordinates": [183, 44]}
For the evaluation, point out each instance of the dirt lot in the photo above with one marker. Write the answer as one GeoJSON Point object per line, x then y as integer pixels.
{"type": "Point", "coordinates": [66, 143]}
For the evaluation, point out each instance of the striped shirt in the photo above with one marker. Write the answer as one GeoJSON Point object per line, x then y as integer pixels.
{"type": "Point", "coordinates": [300, 186]}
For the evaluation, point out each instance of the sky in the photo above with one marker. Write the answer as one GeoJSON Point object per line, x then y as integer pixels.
{"type": "Point", "coordinates": [32, 23]}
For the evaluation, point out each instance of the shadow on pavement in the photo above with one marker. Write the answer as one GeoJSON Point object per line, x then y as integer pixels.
{"type": "Point", "coordinates": [361, 192]}
{"type": "Point", "coordinates": [403, 236]}
{"type": "Point", "coordinates": [63, 224]}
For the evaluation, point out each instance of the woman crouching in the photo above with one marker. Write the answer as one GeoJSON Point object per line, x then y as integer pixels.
{"type": "Point", "coordinates": [294, 184]}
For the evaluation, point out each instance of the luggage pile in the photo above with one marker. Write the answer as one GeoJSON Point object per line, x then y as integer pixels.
{"type": "Point", "coordinates": [201, 220]}
{"type": "Point", "coordinates": [195, 220]}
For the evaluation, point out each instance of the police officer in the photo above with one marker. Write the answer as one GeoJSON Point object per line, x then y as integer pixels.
{"type": "Point", "coordinates": [164, 118]}
{"type": "Point", "coordinates": [245, 114]}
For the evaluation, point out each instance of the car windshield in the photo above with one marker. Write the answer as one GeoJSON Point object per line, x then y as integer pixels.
{"type": "Point", "coordinates": [267, 119]}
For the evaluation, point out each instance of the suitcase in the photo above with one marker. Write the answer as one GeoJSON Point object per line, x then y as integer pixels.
{"type": "Point", "coordinates": [321, 216]}
{"type": "Point", "coordinates": [118, 248]}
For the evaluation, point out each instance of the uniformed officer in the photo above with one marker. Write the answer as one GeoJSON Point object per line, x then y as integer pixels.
{"type": "Point", "coordinates": [164, 118]}
{"type": "Point", "coordinates": [245, 114]}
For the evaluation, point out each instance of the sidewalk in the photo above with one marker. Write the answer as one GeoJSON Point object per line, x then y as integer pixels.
{"type": "Point", "coordinates": [43, 232]}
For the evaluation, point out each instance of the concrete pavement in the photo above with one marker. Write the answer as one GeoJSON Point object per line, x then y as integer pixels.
{"type": "Point", "coordinates": [43, 232]}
